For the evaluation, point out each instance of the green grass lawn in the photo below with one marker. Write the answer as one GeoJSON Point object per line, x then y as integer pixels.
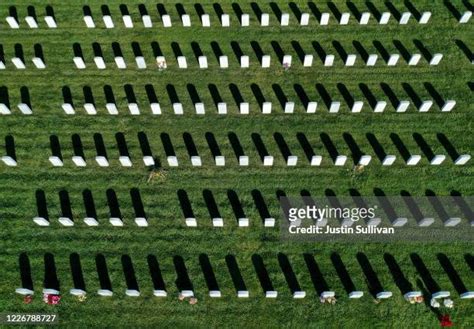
{"type": "Point", "coordinates": [167, 236]}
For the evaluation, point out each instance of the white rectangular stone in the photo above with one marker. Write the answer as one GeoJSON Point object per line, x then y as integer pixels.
{"type": "Point", "coordinates": [160, 293]}
{"type": "Point", "coordinates": [466, 16]}
{"type": "Point", "coordinates": [365, 160]}
{"type": "Point", "coordinates": [172, 161]}
{"type": "Point", "coordinates": [215, 294]}
{"type": "Point", "coordinates": [18, 63]}
{"type": "Point", "coordinates": [425, 106]}
{"type": "Point", "coordinates": [372, 59]}
{"type": "Point", "coordinates": [453, 221]}
{"type": "Point", "coordinates": [380, 106]}
{"type": "Point", "coordinates": [206, 22]}
{"type": "Point", "coordinates": [102, 161]}
{"type": "Point", "coordinates": [324, 19]}
{"type": "Point", "coordinates": [41, 221]}
{"type": "Point", "coordinates": [389, 160]}
{"type": "Point", "coordinates": [89, 22]}
{"type": "Point", "coordinates": [436, 59]}
{"type": "Point", "coordinates": [199, 107]}
{"type": "Point", "coordinates": [120, 62]}
{"type": "Point", "coordinates": [356, 294]}
{"type": "Point", "coordinates": [292, 160]}
{"type": "Point", "coordinates": [50, 291]}
{"type": "Point", "coordinates": [31, 21]}
{"type": "Point", "coordinates": [147, 23]}
{"type": "Point", "coordinates": [111, 108]}
{"type": "Point", "coordinates": [268, 160]}
{"type": "Point", "coordinates": [425, 17]}
{"type": "Point", "coordinates": [350, 60]}
{"type": "Point", "coordinates": [12, 22]}
{"type": "Point", "coordinates": [108, 21]}
{"type": "Point", "coordinates": [340, 160]}
{"type": "Point", "coordinates": [186, 19]}
{"type": "Point", "coordinates": [287, 60]}
{"type": "Point", "coordinates": [344, 19]}
{"type": "Point", "coordinates": [265, 19]}
{"type": "Point", "coordinates": [299, 294]}
{"type": "Point", "coordinates": [4, 109]}
{"type": "Point", "coordinates": [267, 107]}
{"type": "Point", "coordinates": [182, 63]}
{"type": "Point", "coordinates": [148, 160]}
{"type": "Point", "coordinates": [285, 19]}
{"type": "Point", "coordinates": [191, 222]}
{"type": "Point", "coordinates": [384, 18]}
{"type": "Point", "coordinates": [245, 20]}
{"type": "Point", "coordinates": [115, 221]}
{"type": "Point", "coordinates": [56, 161]}
{"type": "Point", "coordinates": [289, 107]}
{"type": "Point", "coordinates": [132, 293]}
{"type": "Point", "coordinates": [225, 20]}
{"type": "Point", "coordinates": [316, 160]}
{"type": "Point", "coordinates": [244, 108]}
{"type": "Point", "coordinates": [244, 61]}
{"type": "Point", "coordinates": [65, 221]}
{"type": "Point", "coordinates": [127, 21]}
{"type": "Point", "coordinates": [438, 159]}
{"type": "Point", "coordinates": [425, 222]}
{"type": "Point", "coordinates": [393, 59]}
{"type": "Point", "coordinates": [202, 62]}
{"type": "Point", "coordinates": [196, 161]}
{"type": "Point", "coordinates": [68, 108]}
{"type": "Point", "coordinates": [462, 159]}
{"type": "Point", "coordinates": [155, 108]}
{"type": "Point", "coordinates": [141, 222]}
{"type": "Point", "coordinates": [25, 109]}
{"type": "Point", "coordinates": [166, 20]}
{"type": "Point", "coordinates": [24, 291]}
{"type": "Point", "coordinates": [9, 161]}
{"type": "Point", "coordinates": [243, 294]}
{"type": "Point", "coordinates": [187, 293]}
{"type": "Point", "coordinates": [384, 295]}
{"type": "Point", "coordinates": [467, 295]}
{"type": "Point", "coordinates": [125, 161]}
{"type": "Point", "coordinates": [271, 294]}
{"type": "Point", "coordinates": [105, 292]}
{"type": "Point", "coordinates": [414, 59]}
{"type": "Point", "coordinates": [413, 160]}
{"type": "Point", "coordinates": [243, 160]}
{"type": "Point", "coordinates": [364, 18]}
{"type": "Point", "coordinates": [223, 62]}
{"type": "Point", "coordinates": [79, 161]}
{"type": "Point", "coordinates": [140, 60]}
{"type": "Point", "coordinates": [243, 222]}
{"type": "Point", "coordinates": [266, 61]}
{"type": "Point", "coordinates": [222, 108]}
{"type": "Point", "coordinates": [38, 62]}
{"type": "Point", "coordinates": [405, 17]}
{"type": "Point", "coordinates": [79, 62]}
{"type": "Point", "coordinates": [329, 60]}
{"type": "Point", "coordinates": [308, 60]}
{"type": "Point", "coordinates": [220, 160]}
{"type": "Point", "coordinates": [334, 107]}
{"type": "Point", "coordinates": [448, 106]}
{"type": "Point", "coordinates": [99, 62]}
{"type": "Point", "coordinates": [50, 22]}
{"type": "Point", "coordinates": [90, 108]}
{"type": "Point", "coordinates": [133, 108]}
{"type": "Point", "coordinates": [441, 294]}
{"type": "Point", "coordinates": [357, 107]}
{"type": "Point", "coordinates": [403, 106]}
{"type": "Point", "coordinates": [217, 222]}
{"type": "Point", "coordinates": [304, 19]}
{"type": "Point", "coordinates": [89, 221]}
{"type": "Point", "coordinates": [269, 222]}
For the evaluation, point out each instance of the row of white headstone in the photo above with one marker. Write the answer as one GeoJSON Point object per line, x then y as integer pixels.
{"type": "Point", "coordinates": [31, 21]}
{"type": "Point", "coordinates": [266, 108]}
{"type": "Point", "coordinates": [20, 64]}
{"type": "Point", "coordinates": [24, 108]}
{"type": "Point", "coordinates": [286, 62]}
{"type": "Point", "coordinates": [284, 20]}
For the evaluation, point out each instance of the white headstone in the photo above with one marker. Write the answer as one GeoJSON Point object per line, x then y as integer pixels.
{"type": "Point", "coordinates": [196, 161]}
{"type": "Point", "coordinates": [148, 160]}
{"type": "Point", "coordinates": [269, 222]}
{"type": "Point", "coordinates": [425, 106]}
{"type": "Point", "coordinates": [220, 160]}
{"type": "Point", "coordinates": [344, 19]}
{"type": "Point", "coordinates": [125, 161]}
{"type": "Point", "coordinates": [329, 60]}
{"type": "Point", "coordinates": [38, 63]}
{"type": "Point", "coordinates": [243, 294]}
{"type": "Point", "coordinates": [102, 161]}
{"type": "Point", "coordinates": [380, 106]}
{"type": "Point", "coordinates": [268, 160]}
{"type": "Point", "coordinates": [50, 291]}
{"type": "Point", "coordinates": [187, 293]}
{"type": "Point", "coordinates": [191, 222]}
{"type": "Point", "coordinates": [41, 221]}
{"type": "Point", "coordinates": [271, 294]}
{"type": "Point", "coordinates": [217, 222]}
{"type": "Point", "coordinates": [413, 160]}
{"type": "Point", "coordinates": [132, 293]}
{"type": "Point", "coordinates": [441, 294]}
{"type": "Point", "coordinates": [65, 221]}
{"type": "Point", "coordinates": [115, 221]}
{"type": "Point", "coordinates": [127, 21]}
{"type": "Point", "coordinates": [285, 19]}
{"type": "Point", "coordinates": [206, 22]}
{"type": "Point", "coordinates": [414, 59]}
{"type": "Point", "coordinates": [265, 19]}
{"type": "Point", "coordinates": [79, 161]}
{"type": "Point", "coordinates": [425, 17]}
{"type": "Point", "coordinates": [77, 292]}
{"type": "Point", "coordinates": [202, 62]}
{"type": "Point", "coordinates": [79, 62]}
{"type": "Point", "coordinates": [99, 62]}
{"type": "Point", "coordinates": [340, 160]}
{"type": "Point", "coordinates": [4, 109]}
{"type": "Point", "coordinates": [243, 222]}
{"type": "Point", "coordinates": [425, 222]}
{"type": "Point", "coordinates": [328, 294]}
{"type": "Point", "coordinates": [399, 222]}
{"type": "Point", "coordinates": [50, 22]}
{"type": "Point", "coordinates": [436, 59]}
{"type": "Point", "coordinates": [31, 21]}
{"type": "Point", "coordinates": [350, 60]}
{"type": "Point", "coordinates": [225, 20]}
{"type": "Point", "coordinates": [91, 221]}
{"type": "Point", "coordinates": [304, 19]}
{"type": "Point", "coordinates": [147, 23]}
{"type": "Point", "coordinates": [245, 20]}
{"type": "Point", "coordinates": [182, 64]}
{"type": "Point", "coordinates": [243, 160]}
{"type": "Point", "coordinates": [178, 108]}
{"type": "Point", "coordinates": [356, 294]}
{"type": "Point", "coordinates": [141, 222]}
{"type": "Point", "coordinates": [222, 108]}
{"type": "Point", "coordinates": [56, 161]}
{"type": "Point", "coordinates": [384, 295]}
{"type": "Point", "coordinates": [199, 107]}
{"type": "Point", "coordinates": [308, 60]}
{"type": "Point", "coordinates": [172, 161]}
{"type": "Point", "coordinates": [324, 19]}
{"type": "Point", "coordinates": [90, 108]}
{"type": "Point", "coordinates": [89, 22]}
{"type": "Point", "coordinates": [334, 107]}
{"type": "Point", "coordinates": [111, 108]}
{"type": "Point", "coordinates": [25, 109]}
{"type": "Point", "coordinates": [108, 21]}
{"type": "Point", "coordinates": [311, 107]}
{"type": "Point", "coordinates": [287, 60]}
{"type": "Point", "coordinates": [68, 108]}
{"type": "Point", "coordinates": [24, 291]}
{"type": "Point", "coordinates": [292, 160]}
{"type": "Point", "coordinates": [9, 161]}
{"type": "Point", "coordinates": [244, 61]}
{"type": "Point", "coordinates": [365, 160]}
{"type": "Point", "coordinates": [403, 106]}
{"type": "Point", "coordinates": [372, 59]}
{"type": "Point", "coordinates": [451, 222]}
{"type": "Point", "coordinates": [18, 63]}
{"type": "Point", "coordinates": [384, 18]}
{"type": "Point", "coordinates": [364, 18]}
{"type": "Point", "coordinates": [223, 62]}
{"type": "Point", "coordinates": [299, 294]}
{"type": "Point", "coordinates": [105, 292]}
{"type": "Point", "coordinates": [316, 160]}
{"type": "Point", "coordinates": [186, 19]}
{"type": "Point", "coordinates": [215, 294]}
{"type": "Point", "coordinates": [133, 108]}
{"type": "Point", "coordinates": [12, 22]}
{"type": "Point", "coordinates": [438, 159]}
{"type": "Point", "coordinates": [140, 60]}
{"type": "Point", "coordinates": [389, 160]}
{"type": "Point", "coordinates": [244, 108]}
{"type": "Point", "coordinates": [357, 107]}
{"type": "Point", "coordinates": [289, 107]}
{"type": "Point", "coordinates": [393, 59]}
{"type": "Point", "coordinates": [267, 107]}
{"type": "Point", "coordinates": [166, 20]}
{"type": "Point", "coordinates": [155, 108]}
{"type": "Point", "coordinates": [266, 60]}
{"type": "Point", "coordinates": [405, 17]}
{"type": "Point", "coordinates": [466, 16]}
{"type": "Point", "coordinates": [467, 295]}
{"type": "Point", "coordinates": [462, 159]}
{"type": "Point", "coordinates": [448, 106]}
{"type": "Point", "coordinates": [120, 62]}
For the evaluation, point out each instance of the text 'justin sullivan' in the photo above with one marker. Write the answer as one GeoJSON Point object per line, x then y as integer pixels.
{"type": "Point", "coordinates": [358, 229]}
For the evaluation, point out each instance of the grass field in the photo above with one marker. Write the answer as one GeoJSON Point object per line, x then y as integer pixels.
{"type": "Point", "coordinates": [167, 236]}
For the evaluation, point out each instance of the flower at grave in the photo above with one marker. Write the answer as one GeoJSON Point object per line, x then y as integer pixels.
{"type": "Point", "coordinates": [82, 298]}
{"type": "Point", "coordinates": [448, 303]}
{"type": "Point", "coordinates": [159, 174]}
{"type": "Point", "coordinates": [27, 299]}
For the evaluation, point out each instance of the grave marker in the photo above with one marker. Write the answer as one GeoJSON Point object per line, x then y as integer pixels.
{"type": "Point", "coordinates": [269, 222]}
{"type": "Point", "coordinates": [380, 106]}
{"type": "Point", "coordinates": [399, 222]}
{"type": "Point", "coordinates": [24, 291]}
{"type": "Point", "coordinates": [50, 22]}
{"type": "Point", "coordinates": [90, 108]}
{"type": "Point", "coordinates": [425, 222]}
{"type": "Point", "coordinates": [217, 222]}
{"type": "Point", "coordinates": [99, 62]}
{"type": "Point", "coordinates": [372, 59]}
{"type": "Point", "coordinates": [68, 108]}
{"type": "Point", "coordinates": [115, 221]}
{"type": "Point", "coordinates": [196, 161]}
{"type": "Point", "coordinates": [243, 294]}
{"type": "Point", "coordinates": [404, 18]}
{"type": "Point", "coordinates": [356, 294]}
{"type": "Point", "coordinates": [182, 64]}
{"type": "Point", "coordinates": [393, 59]}
{"type": "Point", "coordinates": [334, 107]}
{"type": "Point", "coordinates": [266, 61]}
{"type": "Point", "coordinates": [462, 159]}
{"type": "Point", "coordinates": [31, 21]}
{"type": "Point", "coordinates": [413, 160]}
{"type": "Point", "coordinates": [141, 222]}
{"type": "Point", "coordinates": [265, 19]}
{"type": "Point", "coordinates": [357, 107]}
{"type": "Point", "coordinates": [89, 221]}
{"type": "Point", "coordinates": [132, 293]}
{"type": "Point", "coordinates": [186, 19]}
{"type": "Point", "coordinates": [316, 160]}
{"type": "Point", "coordinates": [9, 161]}
{"type": "Point", "coordinates": [105, 293]}
{"type": "Point", "coordinates": [384, 295]}
{"type": "Point", "coordinates": [155, 108]}
{"type": "Point", "coordinates": [414, 59]}
{"type": "Point", "coordinates": [389, 160]}
{"type": "Point", "coordinates": [245, 20]}
{"type": "Point", "coordinates": [199, 107]}
{"type": "Point", "coordinates": [340, 160]}
{"type": "Point", "coordinates": [436, 59]}
{"type": "Point", "coordinates": [271, 294]}
{"type": "Point", "coordinates": [141, 64]}
{"type": "Point", "coordinates": [350, 60]}
{"type": "Point", "coordinates": [178, 108]}
{"type": "Point", "coordinates": [219, 160]}
{"type": "Point", "coordinates": [191, 222]}
{"type": "Point", "coordinates": [244, 61]}
{"type": "Point", "coordinates": [38, 62]}
{"type": "Point", "coordinates": [41, 221]}
{"type": "Point", "coordinates": [268, 160]}
{"type": "Point", "coordinates": [329, 60]}
{"type": "Point", "coordinates": [243, 160]}
{"type": "Point", "coordinates": [425, 17]}
{"type": "Point", "coordinates": [222, 108]}
{"type": "Point", "coordinates": [466, 16]}
{"type": "Point", "coordinates": [289, 107]}
{"type": "Point", "coordinates": [425, 106]}
{"type": "Point", "coordinates": [65, 221]}
{"type": "Point", "coordinates": [344, 19]}
{"type": "Point", "coordinates": [324, 19]}
{"type": "Point", "coordinates": [111, 108]}
{"type": "Point", "coordinates": [147, 23]}
{"type": "Point", "coordinates": [89, 22]}
{"type": "Point", "coordinates": [441, 294]}
{"type": "Point", "coordinates": [127, 21]}
{"type": "Point", "coordinates": [125, 161]}
{"type": "Point", "coordinates": [166, 20]}
{"type": "Point", "coordinates": [285, 19]}
{"type": "Point", "coordinates": [438, 159]}
{"type": "Point", "coordinates": [102, 161]}
{"type": "Point", "coordinates": [467, 295]}
{"type": "Point", "coordinates": [4, 109]}
{"type": "Point", "coordinates": [108, 21]}
{"type": "Point", "coordinates": [120, 62]}
{"type": "Point", "coordinates": [299, 294]}
{"type": "Point", "coordinates": [133, 108]}
{"type": "Point", "coordinates": [243, 222]}
{"type": "Point", "coordinates": [172, 161]}
{"type": "Point", "coordinates": [24, 109]}
{"type": "Point", "coordinates": [287, 61]}
{"type": "Point", "coordinates": [225, 20]}
{"type": "Point", "coordinates": [267, 108]}
{"type": "Point", "coordinates": [202, 62]}
{"type": "Point", "coordinates": [384, 18]}
{"type": "Point", "coordinates": [215, 294]}
{"type": "Point", "coordinates": [12, 22]}
{"type": "Point", "coordinates": [223, 62]}
{"type": "Point", "coordinates": [403, 106]}
{"type": "Point", "coordinates": [148, 160]}
{"type": "Point", "coordinates": [304, 19]}
{"type": "Point", "coordinates": [308, 60]}
{"type": "Point", "coordinates": [451, 222]}
{"type": "Point", "coordinates": [79, 62]}
{"type": "Point", "coordinates": [206, 22]}
{"type": "Point", "coordinates": [365, 160]}
{"type": "Point", "coordinates": [77, 292]}
{"type": "Point", "coordinates": [79, 161]}
{"type": "Point", "coordinates": [56, 161]}
{"type": "Point", "coordinates": [311, 107]}
{"type": "Point", "coordinates": [292, 160]}
{"type": "Point", "coordinates": [448, 106]}
{"type": "Point", "coordinates": [18, 63]}
{"type": "Point", "coordinates": [244, 108]}
{"type": "Point", "coordinates": [364, 18]}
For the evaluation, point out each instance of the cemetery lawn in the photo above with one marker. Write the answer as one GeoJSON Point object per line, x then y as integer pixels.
{"type": "Point", "coordinates": [167, 236]}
